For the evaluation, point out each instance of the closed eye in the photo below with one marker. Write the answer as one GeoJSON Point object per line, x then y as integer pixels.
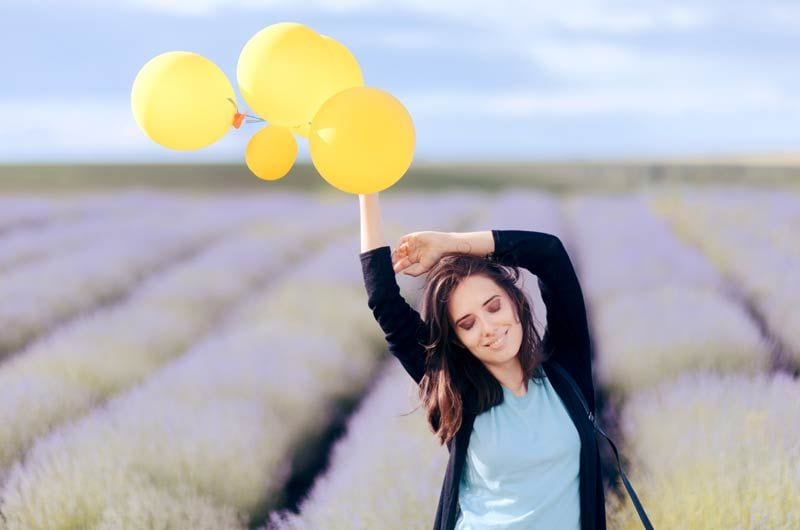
{"type": "Point", "coordinates": [494, 308]}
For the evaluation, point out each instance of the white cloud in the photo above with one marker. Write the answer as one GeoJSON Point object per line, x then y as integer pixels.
{"type": "Point", "coordinates": [596, 61]}
{"type": "Point", "coordinates": [783, 15]}
{"type": "Point", "coordinates": [70, 123]}
{"type": "Point", "coordinates": [618, 17]}
{"type": "Point", "coordinates": [408, 39]}
{"type": "Point", "coordinates": [581, 59]}
{"type": "Point", "coordinates": [626, 19]}
{"type": "Point", "coordinates": [666, 101]}
{"type": "Point", "coordinates": [569, 59]}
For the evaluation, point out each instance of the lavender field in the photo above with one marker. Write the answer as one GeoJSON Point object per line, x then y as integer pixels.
{"type": "Point", "coordinates": [170, 360]}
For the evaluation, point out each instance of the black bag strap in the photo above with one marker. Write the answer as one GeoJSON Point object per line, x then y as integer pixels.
{"type": "Point", "coordinates": [593, 419]}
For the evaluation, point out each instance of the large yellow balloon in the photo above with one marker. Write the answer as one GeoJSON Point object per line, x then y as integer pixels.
{"type": "Point", "coordinates": [362, 140]}
{"type": "Point", "coordinates": [271, 152]}
{"type": "Point", "coordinates": [345, 72]}
{"type": "Point", "coordinates": [284, 73]}
{"type": "Point", "coordinates": [180, 100]}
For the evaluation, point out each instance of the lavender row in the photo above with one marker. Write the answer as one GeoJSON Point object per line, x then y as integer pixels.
{"type": "Point", "coordinates": [657, 307]}
{"type": "Point", "coordinates": [92, 218]}
{"type": "Point", "coordinates": [64, 374]}
{"type": "Point", "coordinates": [751, 235]}
{"type": "Point", "coordinates": [36, 297]}
{"type": "Point", "coordinates": [385, 472]}
{"type": "Point", "coordinates": [701, 426]}
{"type": "Point", "coordinates": [713, 450]}
{"type": "Point", "coordinates": [21, 210]}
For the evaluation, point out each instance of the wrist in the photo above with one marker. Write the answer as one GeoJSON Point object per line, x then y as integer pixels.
{"type": "Point", "coordinates": [473, 243]}
{"type": "Point", "coordinates": [458, 243]}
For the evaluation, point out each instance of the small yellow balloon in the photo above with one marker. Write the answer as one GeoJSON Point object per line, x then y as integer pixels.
{"type": "Point", "coordinates": [180, 100]}
{"type": "Point", "coordinates": [284, 73]}
{"type": "Point", "coordinates": [271, 152]}
{"type": "Point", "coordinates": [362, 140]}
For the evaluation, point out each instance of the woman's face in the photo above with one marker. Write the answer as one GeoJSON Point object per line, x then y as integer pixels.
{"type": "Point", "coordinates": [481, 312]}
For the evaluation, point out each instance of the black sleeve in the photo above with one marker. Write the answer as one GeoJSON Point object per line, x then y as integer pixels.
{"type": "Point", "coordinates": [567, 331]}
{"type": "Point", "coordinates": [404, 329]}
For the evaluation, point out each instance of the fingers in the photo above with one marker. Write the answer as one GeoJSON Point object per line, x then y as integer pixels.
{"type": "Point", "coordinates": [400, 252]}
{"type": "Point", "coordinates": [403, 259]}
{"type": "Point", "coordinates": [414, 270]}
{"type": "Point", "coordinates": [397, 255]}
{"type": "Point", "coordinates": [408, 268]}
{"type": "Point", "coordinates": [400, 264]}
{"type": "Point", "coordinates": [406, 242]}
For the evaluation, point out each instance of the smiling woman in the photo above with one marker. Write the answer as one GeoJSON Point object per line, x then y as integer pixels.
{"type": "Point", "coordinates": [521, 455]}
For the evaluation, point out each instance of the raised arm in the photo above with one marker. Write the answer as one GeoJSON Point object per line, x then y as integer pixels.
{"type": "Point", "coordinates": [371, 223]}
{"type": "Point", "coordinates": [403, 328]}
{"type": "Point", "coordinates": [567, 329]}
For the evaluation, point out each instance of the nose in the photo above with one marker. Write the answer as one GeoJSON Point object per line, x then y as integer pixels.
{"type": "Point", "coordinates": [489, 330]}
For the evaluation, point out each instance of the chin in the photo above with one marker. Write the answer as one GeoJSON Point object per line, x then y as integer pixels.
{"type": "Point", "coordinates": [503, 357]}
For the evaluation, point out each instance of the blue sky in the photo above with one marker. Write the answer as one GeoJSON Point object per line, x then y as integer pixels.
{"type": "Point", "coordinates": [506, 81]}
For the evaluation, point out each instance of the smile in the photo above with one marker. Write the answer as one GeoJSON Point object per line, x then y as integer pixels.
{"type": "Point", "coordinates": [499, 342]}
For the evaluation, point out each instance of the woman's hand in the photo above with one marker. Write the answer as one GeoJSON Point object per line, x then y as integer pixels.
{"type": "Point", "coordinates": [417, 252]}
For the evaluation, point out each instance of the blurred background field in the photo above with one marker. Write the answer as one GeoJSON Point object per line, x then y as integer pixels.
{"type": "Point", "coordinates": [556, 177]}
{"type": "Point", "coordinates": [205, 358]}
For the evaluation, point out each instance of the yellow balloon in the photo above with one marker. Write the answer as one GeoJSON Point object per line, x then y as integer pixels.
{"type": "Point", "coordinates": [345, 70]}
{"type": "Point", "coordinates": [362, 140]}
{"type": "Point", "coordinates": [284, 73]}
{"type": "Point", "coordinates": [271, 152]}
{"type": "Point", "coordinates": [180, 100]}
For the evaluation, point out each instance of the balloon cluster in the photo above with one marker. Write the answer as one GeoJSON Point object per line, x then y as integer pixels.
{"type": "Point", "coordinates": [361, 139]}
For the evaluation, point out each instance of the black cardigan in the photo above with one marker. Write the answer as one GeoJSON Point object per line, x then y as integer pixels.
{"type": "Point", "coordinates": [566, 336]}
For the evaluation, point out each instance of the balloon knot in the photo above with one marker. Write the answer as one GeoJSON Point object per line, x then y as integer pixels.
{"type": "Point", "coordinates": [237, 119]}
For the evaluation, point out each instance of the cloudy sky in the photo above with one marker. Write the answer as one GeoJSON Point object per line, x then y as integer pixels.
{"type": "Point", "coordinates": [501, 81]}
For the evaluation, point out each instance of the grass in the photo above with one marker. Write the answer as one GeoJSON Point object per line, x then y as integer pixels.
{"type": "Point", "coordinates": [557, 177]}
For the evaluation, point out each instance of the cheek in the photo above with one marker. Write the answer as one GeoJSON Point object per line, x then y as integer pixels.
{"type": "Point", "coordinates": [467, 336]}
{"type": "Point", "coordinates": [462, 336]}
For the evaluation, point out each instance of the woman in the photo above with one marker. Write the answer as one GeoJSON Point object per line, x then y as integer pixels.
{"type": "Point", "coordinates": [527, 451]}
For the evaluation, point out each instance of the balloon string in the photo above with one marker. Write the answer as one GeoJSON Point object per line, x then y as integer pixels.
{"type": "Point", "coordinates": [239, 116]}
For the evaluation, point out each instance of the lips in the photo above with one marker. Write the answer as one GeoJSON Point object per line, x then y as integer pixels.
{"type": "Point", "coordinates": [502, 340]}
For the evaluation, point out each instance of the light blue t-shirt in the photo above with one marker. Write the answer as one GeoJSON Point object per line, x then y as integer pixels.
{"type": "Point", "coordinates": [522, 465]}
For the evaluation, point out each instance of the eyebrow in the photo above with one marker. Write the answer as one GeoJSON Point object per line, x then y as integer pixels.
{"type": "Point", "coordinates": [468, 314]}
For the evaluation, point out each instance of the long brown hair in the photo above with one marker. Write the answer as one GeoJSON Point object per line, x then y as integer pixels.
{"type": "Point", "coordinates": [455, 380]}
